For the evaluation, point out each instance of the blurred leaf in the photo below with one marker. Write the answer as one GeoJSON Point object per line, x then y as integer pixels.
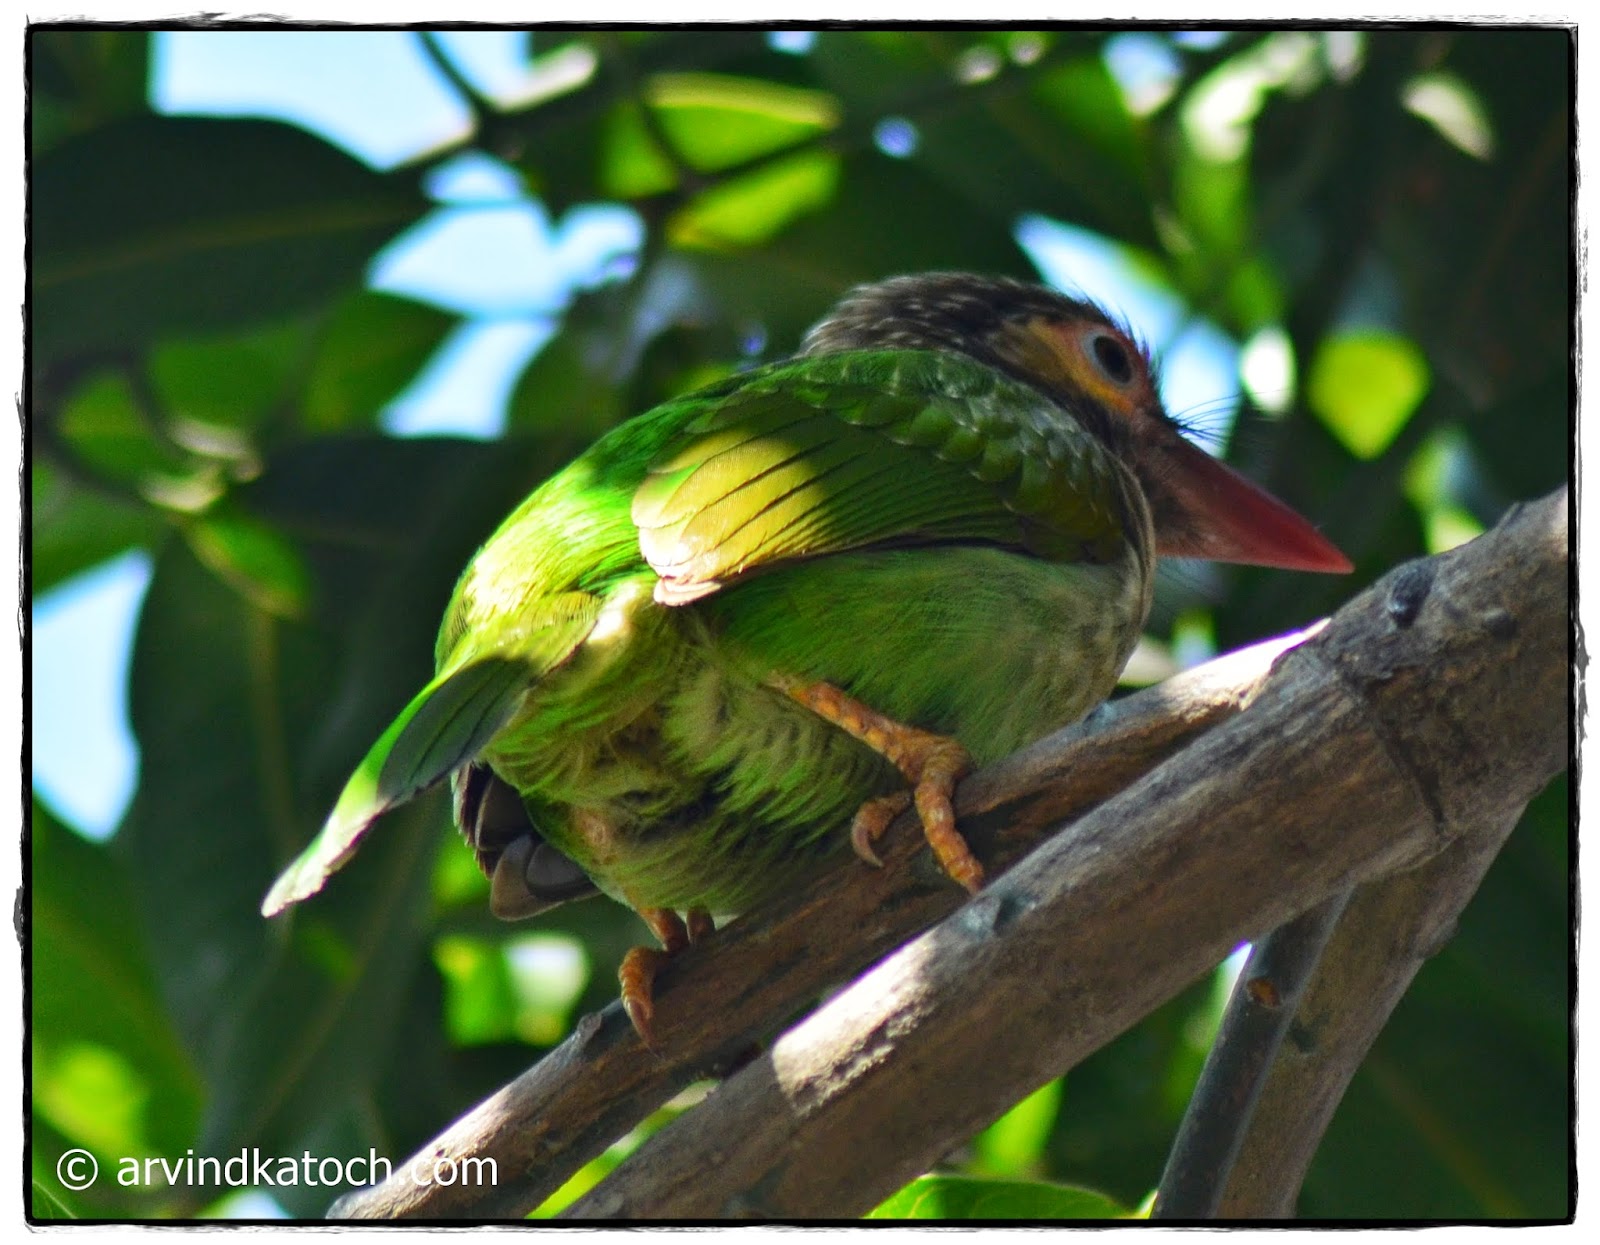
{"type": "Point", "coordinates": [74, 528]}
{"type": "Point", "coordinates": [84, 78]}
{"type": "Point", "coordinates": [479, 1005]}
{"type": "Point", "coordinates": [751, 209]}
{"type": "Point", "coordinates": [373, 347]}
{"type": "Point", "coordinates": [1014, 1144]}
{"type": "Point", "coordinates": [1000, 135]}
{"type": "Point", "coordinates": [711, 122]}
{"type": "Point", "coordinates": [96, 1018]}
{"type": "Point", "coordinates": [962, 1197]}
{"type": "Point", "coordinates": [1438, 480]}
{"type": "Point", "coordinates": [108, 428]}
{"type": "Point", "coordinates": [592, 374]}
{"type": "Point", "coordinates": [159, 225]}
{"type": "Point", "coordinates": [549, 972]}
{"type": "Point", "coordinates": [92, 1093]}
{"type": "Point", "coordinates": [252, 558]}
{"type": "Point", "coordinates": [1098, 151]}
{"type": "Point", "coordinates": [1364, 385]}
{"type": "Point", "coordinates": [878, 225]}
{"type": "Point", "coordinates": [1453, 108]}
{"type": "Point", "coordinates": [233, 381]}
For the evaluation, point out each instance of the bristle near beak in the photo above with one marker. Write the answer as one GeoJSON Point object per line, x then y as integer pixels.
{"type": "Point", "coordinates": [1221, 516]}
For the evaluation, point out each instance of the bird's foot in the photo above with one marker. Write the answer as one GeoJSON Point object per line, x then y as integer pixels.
{"type": "Point", "coordinates": [641, 964]}
{"type": "Point", "coordinates": [932, 764]}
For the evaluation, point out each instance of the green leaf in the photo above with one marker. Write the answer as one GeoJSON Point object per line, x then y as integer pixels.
{"type": "Point", "coordinates": [252, 558]}
{"type": "Point", "coordinates": [155, 226]}
{"type": "Point", "coordinates": [109, 1070]}
{"type": "Point", "coordinates": [373, 347]}
{"type": "Point", "coordinates": [1014, 1145]}
{"type": "Point", "coordinates": [712, 122]}
{"type": "Point", "coordinates": [479, 1003]}
{"type": "Point", "coordinates": [878, 224]}
{"type": "Point", "coordinates": [112, 433]}
{"type": "Point", "coordinates": [74, 528]}
{"type": "Point", "coordinates": [962, 1197]}
{"type": "Point", "coordinates": [84, 78]}
{"type": "Point", "coordinates": [752, 209]}
{"type": "Point", "coordinates": [1365, 385]}
{"type": "Point", "coordinates": [233, 381]}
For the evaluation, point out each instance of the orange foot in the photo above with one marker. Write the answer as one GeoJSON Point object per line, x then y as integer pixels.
{"type": "Point", "coordinates": [932, 764]}
{"type": "Point", "coordinates": [640, 966]}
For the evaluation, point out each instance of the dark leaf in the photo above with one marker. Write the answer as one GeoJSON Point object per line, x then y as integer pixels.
{"type": "Point", "coordinates": [160, 225]}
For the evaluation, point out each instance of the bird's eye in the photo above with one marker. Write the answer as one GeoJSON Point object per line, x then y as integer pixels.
{"type": "Point", "coordinates": [1111, 354]}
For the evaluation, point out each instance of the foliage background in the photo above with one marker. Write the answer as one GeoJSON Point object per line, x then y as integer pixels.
{"type": "Point", "coordinates": [1389, 210]}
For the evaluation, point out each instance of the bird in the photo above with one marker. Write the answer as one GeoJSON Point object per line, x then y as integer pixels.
{"type": "Point", "coordinates": [747, 628]}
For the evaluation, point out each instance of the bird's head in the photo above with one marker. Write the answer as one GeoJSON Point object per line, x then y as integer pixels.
{"type": "Point", "coordinates": [1097, 372]}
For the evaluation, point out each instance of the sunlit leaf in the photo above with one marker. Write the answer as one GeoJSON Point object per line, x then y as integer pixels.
{"type": "Point", "coordinates": [479, 1005]}
{"type": "Point", "coordinates": [110, 1070]}
{"type": "Point", "coordinates": [547, 973]}
{"type": "Point", "coordinates": [1014, 1144]}
{"type": "Point", "coordinates": [93, 1094]}
{"type": "Point", "coordinates": [1440, 480]}
{"type": "Point", "coordinates": [710, 122]}
{"type": "Point", "coordinates": [961, 1197]}
{"type": "Point", "coordinates": [1365, 385]}
{"type": "Point", "coordinates": [751, 209]}
{"type": "Point", "coordinates": [1453, 108]}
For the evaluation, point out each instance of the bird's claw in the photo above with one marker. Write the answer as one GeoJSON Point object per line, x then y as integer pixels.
{"type": "Point", "coordinates": [932, 764]}
{"type": "Point", "coordinates": [872, 819]}
{"type": "Point", "coordinates": [637, 973]}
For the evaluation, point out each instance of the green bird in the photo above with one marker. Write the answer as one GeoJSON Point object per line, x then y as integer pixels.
{"type": "Point", "coordinates": [802, 599]}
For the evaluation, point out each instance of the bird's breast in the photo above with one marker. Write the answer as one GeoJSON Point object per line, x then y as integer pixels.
{"type": "Point", "coordinates": [993, 647]}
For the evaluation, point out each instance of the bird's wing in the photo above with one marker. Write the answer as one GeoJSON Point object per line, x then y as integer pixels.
{"type": "Point", "coordinates": [445, 725]}
{"type": "Point", "coordinates": [872, 449]}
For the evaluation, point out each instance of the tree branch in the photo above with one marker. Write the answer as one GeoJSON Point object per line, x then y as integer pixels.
{"type": "Point", "coordinates": [1431, 709]}
{"type": "Point", "coordinates": [1259, 1016]}
{"type": "Point", "coordinates": [1368, 749]}
{"type": "Point", "coordinates": [1389, 929]}
{"type": "Point", "coordinates": [719, 996]}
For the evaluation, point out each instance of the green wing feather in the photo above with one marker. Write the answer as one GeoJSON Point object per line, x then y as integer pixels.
{"type": "Point", "coordinates": [445, 725]}
{"type": "Point", "coordinates": [852, 451]}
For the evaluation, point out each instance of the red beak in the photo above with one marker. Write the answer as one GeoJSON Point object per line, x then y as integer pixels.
{"type": "Point", "coordinates": [1229, 519]}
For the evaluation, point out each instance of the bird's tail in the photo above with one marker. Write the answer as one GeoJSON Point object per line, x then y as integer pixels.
{"type": "Point", "coordinates": [444, 726]}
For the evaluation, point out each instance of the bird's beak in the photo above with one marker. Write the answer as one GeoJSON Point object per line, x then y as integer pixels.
{"type": "Point", "coordinates": [1228, 519]}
